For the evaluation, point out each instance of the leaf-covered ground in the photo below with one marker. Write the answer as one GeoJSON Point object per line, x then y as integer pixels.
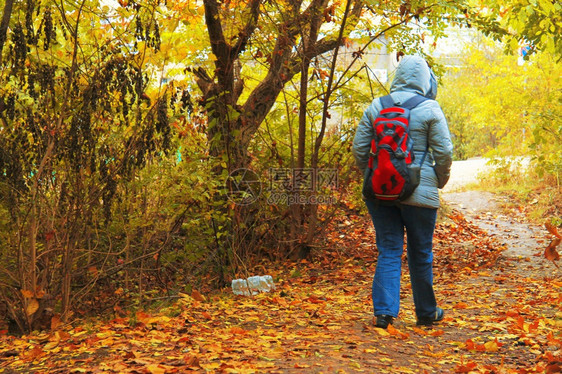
{"type": "Point", "coordinates": [503, 315]}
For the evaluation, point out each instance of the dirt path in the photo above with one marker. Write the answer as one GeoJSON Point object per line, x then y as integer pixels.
{"type": "Point", "coordinates": [484, 209]}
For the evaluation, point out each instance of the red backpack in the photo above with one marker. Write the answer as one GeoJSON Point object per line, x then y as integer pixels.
{"type": "Point", "coordinates": [392, 174]}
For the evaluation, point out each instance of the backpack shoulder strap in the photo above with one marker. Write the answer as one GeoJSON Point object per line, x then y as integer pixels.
{"type": "Point", "coordinates": [387, 101]}
{"type": "Point", "coordinates": [414, 101]}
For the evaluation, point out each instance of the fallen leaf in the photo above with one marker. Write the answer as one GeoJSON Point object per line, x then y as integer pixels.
{"type": "Point", "coordinates": [395, 332]}
{"type": "Point", "coordinates": [192, 361]}
{"type": "Point", "coordinates": [155, 369]}
{"type": "Point", "coordinates": [492, 346]}
{"type": "Point", "coordinates": [51, 345]}
{"type": "Point", "coordinates": [437, 333]}
{"type": "Point", "coordinates": [382, 332]}
{"type": "Point", "coordinates": [550, 252]}
{"type": "Point", "coordinates": [461, 305]}
{"type": "Point", "coordinates": [34, 353]}
{"type": "Point", "coordinates": [465, 368]}
{"type": "Point", "coordinates": [419, 331]}
{"type": "Point", "coordinates": [238, 330]}
{"type": "Point", "coordinates": [27, 294]}
{"type": "Point", "coordinates": [198, 296]}
{"type": "Point", "coordinates": [55, 322]}
{"type": "Point", "coordinates": [553, 230]}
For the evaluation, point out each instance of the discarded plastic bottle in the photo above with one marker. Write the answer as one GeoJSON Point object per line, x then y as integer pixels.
{"type": "Point", "coordinates": [253, 285]}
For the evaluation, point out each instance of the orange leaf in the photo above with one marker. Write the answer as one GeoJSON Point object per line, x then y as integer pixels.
{"type": "Point", "coordinates": [93, 271]}
{"type": "Point", "coordinates": [470, 345]}
{"type": "Point", "coordinates": [34, 353]}
{"type": "Point", "coordinates": [419, 331]}
{"type": "Point", "coordinates": [62, 335]}
{"type": "Point", "coordinates": [27, 294]}
{"type": "Point", "coordinates": [521, 322]}
{"type": "Point", "coordinates": [461, 305]}
{"type": "Point", "coordinates": [512, 313]}
{"type": "Point", "coordinates": [392, 330]}
{"type": "Point", "coordinates": [395, 332]}
{"type": "Point", "coordinates": [206, 315]}
{"type": "Point", "coordinates": [481, 348]}
{"type": "Point", "coordinates": [315, 300]}
{"type": "Point", "coordinates": [55, 322]}
{"type": "Point", "coordinates": [550, 252]}
{"type": "Point", "coordinates": [462, 368]}
{"type": "Point", "coordinates": [32, 307]}
{"type": "Point", "coordinates": [237, 330]}
{"type": "Point", "coordinates": [552, 340]}
{"type": "Point", "coordinates": [198, 296]}
{"type": "Point", "coordinates": [553, 230]}
{"type": "Point", "coordinates": [437, 333]}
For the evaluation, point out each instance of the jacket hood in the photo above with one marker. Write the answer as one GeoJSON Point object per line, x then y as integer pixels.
{"type": "Point", "coordinates": [414, 75]}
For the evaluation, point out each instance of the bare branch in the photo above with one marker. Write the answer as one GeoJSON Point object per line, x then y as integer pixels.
{"type": "Point", "coordinates": [285, 64]}
{"type": "Point", "coordinates": [253, 7]}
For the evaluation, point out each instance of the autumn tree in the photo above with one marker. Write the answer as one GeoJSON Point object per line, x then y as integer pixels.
{"type": "Point", "coordinates": [536, 24]}
{"type": "Point", "coordinates": [285, 41]}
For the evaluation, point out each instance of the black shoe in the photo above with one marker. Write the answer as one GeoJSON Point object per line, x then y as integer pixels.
{"type": "Point", "coordinates": [383, 321]}
{"type": "Point", "coordinates": [428, 321]}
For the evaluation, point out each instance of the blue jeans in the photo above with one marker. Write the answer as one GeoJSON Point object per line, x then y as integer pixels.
{"type": "Point", "coordinates": [389, 222]}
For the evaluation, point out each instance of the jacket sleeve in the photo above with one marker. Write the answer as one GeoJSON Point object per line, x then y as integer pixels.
{"type": "Point", "coordinates": [363, 136]}
{"type": "Point", "coordinates": [439, 139]}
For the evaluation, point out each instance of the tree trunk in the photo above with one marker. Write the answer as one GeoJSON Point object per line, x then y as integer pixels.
{"type": "Point", "coordinates": [6, 15]}
{"type": "Point", "coordinates": [232, 126]}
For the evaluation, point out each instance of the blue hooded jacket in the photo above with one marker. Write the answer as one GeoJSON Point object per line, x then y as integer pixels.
{"type": "Point", "coordinates": [428, 127]}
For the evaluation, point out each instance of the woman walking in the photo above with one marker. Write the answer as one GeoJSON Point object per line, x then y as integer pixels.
{"type": "Point", "coordinates": [417, 213]}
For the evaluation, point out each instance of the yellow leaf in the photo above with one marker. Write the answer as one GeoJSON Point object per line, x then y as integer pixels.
{"type": "Point", "coordinates": [491, 346]}
{"type": "Point", "coordinates": [32, 307]}
{"type": "Point", "coordinates": [382, 332]}
{"type": "Point", "coordinates": [155, 369]}
{"type": "Point", "coordinates": [51, 345]}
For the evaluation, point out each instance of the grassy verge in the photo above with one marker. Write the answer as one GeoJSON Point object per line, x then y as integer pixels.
{"type": "Point", "coordinates": [539, 198]}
